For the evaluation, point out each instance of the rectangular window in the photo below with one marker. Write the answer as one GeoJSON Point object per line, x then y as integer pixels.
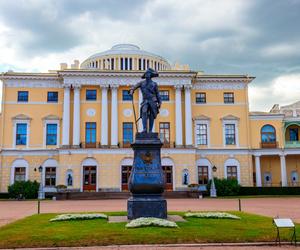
{"type": "Point", "coordinates": [140, 64]}
{"type": "Point", "coordinates": [201, 132]}
{"type": "Point", "coordinates": [90, 134]}
{"type": "Point", "coordinates": [127, 133]}
{"type": "Point", "coordinates": [130, 63]}
{"type": "Point", "coordinates": [230, 134]}
{"type": "Point", "coordinates": [122, 63]}
{"type": "Point", "coordinates": [20, 174]}
{"type": "Point", "coordinates": [51, 134]}
{"type": "Point", "coordinates": [91, 94]}
{"type": "Point", "coordinates": [202, 175]}
{"type": "Point", "coordinates": [228, 97]}
{"type": "Point", "coordinates": [164, 132]}
{"type": "Point", "coordinates": [231, 172]}
{"type": "Point", "coordinates": [200, 97]}
{"type": "Point", "coordinates": [50, 176]}
{"type": "Point", "coordinates": [164, 95]}
{"type": "Point", "coordinates": [21, 135]}
{"type": "Point", "coordinates": [126, 96]}
{"type": "Point", "coordinates": [52, 96]}
{"type": "Point", "coordinates": [126, 171]}
{"type": "Point", "coordinates": [22, 96]}
{"type": "Point", "coordinates": [126, 63]}
{"type": "Point", "coordinates": [144, 64]}
{"type": "Point", "coordinates": [293, 134]}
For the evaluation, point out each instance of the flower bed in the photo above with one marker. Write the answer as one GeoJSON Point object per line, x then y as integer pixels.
{"type": "Point", "coordinates": [66, 217]}
{"type": "Point", "coordinates": [147, 222]}
{"type": "Point", "coordinates": [213, 215]}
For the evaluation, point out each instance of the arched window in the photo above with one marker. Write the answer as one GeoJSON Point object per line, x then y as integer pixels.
{"type": "Point", "coordinates": [268, 135]}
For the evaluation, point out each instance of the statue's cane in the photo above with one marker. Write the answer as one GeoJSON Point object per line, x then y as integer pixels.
{"type": "Point", "coordinates": [135, 120]}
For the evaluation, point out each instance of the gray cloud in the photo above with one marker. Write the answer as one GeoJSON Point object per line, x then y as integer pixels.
{"type": "Point", "coordinates": [257, 37]}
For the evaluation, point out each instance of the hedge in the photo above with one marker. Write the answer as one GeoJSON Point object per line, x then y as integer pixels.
{"type": "Point", "coordinates": [225, 187]}
{"type": "Point", "coordinates": [24, 190]}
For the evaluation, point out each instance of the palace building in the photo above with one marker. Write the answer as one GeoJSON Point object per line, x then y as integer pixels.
{"type": "Point", "coordinates": [77, 123]}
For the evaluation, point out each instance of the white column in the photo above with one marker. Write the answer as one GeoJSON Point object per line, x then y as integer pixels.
{"type": "Point", "coordinates": [140, 125]}
{"type": "Point", "coordinates": [257, 171]}
{"type": "Point", "coordinates": [119, 63]}
{"type": "Point", "coordinates": [76, 117]}
{"type": "Point", "coordinates": [104, 117]}
{"type": "Point", "coordinates": [133, 64]}
{"type": "Point", "coordinates": [178, 115]}
{"type": "Point", "coordinates": [114, 115]}
{"type": "Point", "coordinates": [283, 170]}
{"type": "Point", "coordinates": [128, 62]}
{"type": "Point", "coordinates": [66, 117]}
{"type": "Point", "coordinates": [188, 116]}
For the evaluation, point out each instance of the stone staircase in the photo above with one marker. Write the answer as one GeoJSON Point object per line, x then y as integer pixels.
{"type": "Point", "coordinates": [118, 195]}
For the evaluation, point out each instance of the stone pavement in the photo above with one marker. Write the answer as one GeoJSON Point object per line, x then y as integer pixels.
{"type": "Point", "coordinates": [272, 207]}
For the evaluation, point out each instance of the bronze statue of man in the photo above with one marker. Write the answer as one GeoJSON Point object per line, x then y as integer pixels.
{"type": "Point", "coordinates": [151, 99]}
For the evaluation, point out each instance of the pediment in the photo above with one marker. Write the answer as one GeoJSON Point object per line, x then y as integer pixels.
{"type": "Point", "coordinates": [201, 117]}
{"type": "Point", "coordinates": [21, 117]}
{"type": "Point", "coordinates": [230, 117]}
{"type": "Point", "coordinates": [51, 117]}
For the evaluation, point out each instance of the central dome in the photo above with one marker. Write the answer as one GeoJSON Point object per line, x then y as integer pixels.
{"type": "Point", "coordinates": [125, 57]}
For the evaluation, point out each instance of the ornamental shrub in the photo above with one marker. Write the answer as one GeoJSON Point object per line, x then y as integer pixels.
{"type": "Point", "coordinates": [24, 190]}
{"type": "Point", "coordinates": [226, 187]}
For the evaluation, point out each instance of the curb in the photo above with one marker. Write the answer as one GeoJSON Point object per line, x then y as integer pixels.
{"type": "Point", "coordinates": [202, 245]}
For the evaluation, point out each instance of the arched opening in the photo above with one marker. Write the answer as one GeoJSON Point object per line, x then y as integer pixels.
{"type": "Point", "coordinates": [19, 171]}
{"type": "Point", "coordinates": [232, 169]}
{"type": "Point", "coordinates": [292, 135]}
{"type": "Point", "coordinates": [268, 136]}
{"type": "Point", "coordinates": [89, 175]}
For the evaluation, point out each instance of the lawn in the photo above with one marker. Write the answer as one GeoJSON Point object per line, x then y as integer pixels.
{"type": "Point", "coordinates": [37, 231]}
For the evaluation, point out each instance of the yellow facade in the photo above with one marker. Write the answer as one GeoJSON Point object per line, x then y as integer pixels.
{"type": "Point", "coordinates": [232, 138]}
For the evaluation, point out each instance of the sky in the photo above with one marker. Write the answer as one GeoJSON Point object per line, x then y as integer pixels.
{"type": "Point", "coordinates": [256, 37]}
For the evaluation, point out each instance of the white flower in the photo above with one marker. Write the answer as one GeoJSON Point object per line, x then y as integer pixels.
{"type": "Point", "coordinates": [65, 217]}
{"type": "Point", "coordinates": [149, 221]}
{"type": "Point", "coordinates": [213, 215]}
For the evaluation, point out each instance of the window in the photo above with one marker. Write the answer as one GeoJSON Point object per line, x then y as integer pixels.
{"type": "Point", "coordinates": [130, 63]}
{"type": "Point", "coordinates": [268, 134]}
{"type": "Point", "coordinates": [21, 136]}
{"type": "Point", "coordinates": [126, 96]}
{"type": "Point", "coordinates": [126, 63]}
{"type": "Point", "coordinates": [52, 97]}
{"type": "Point", "coordinates": [90, 134]}
{"type": "Point", "coordinates": [112, 62]}
{"type": "Point", "coordinates": [164, 132]}
{"type": "Point", "coordinates": [202, 175]}
{"type": "Point", "coordinates": [127, 133]}
{"type": "Point", "coordinates": [122, 63]}
{"type": "Point", "coordinates": [20, 174]}
{"type": "Point", "coordinates": [168, 174]}
{"type": "Point", "coordinates": [164, 95]}
{"type": "Point", "coordinates": [91, 94]}
{"type": "Point", "coordinates": [230, 134]}
{"type": "Point", "coordinates": [51, 138]}
{"type": "Point", "coordinates": [232, 172]}
{"type": "Point", "coordinates": [50, 176]}
{"type": "Point", "coordinates": [22, 96]}
{"type": "Point", "coordinates": [140, 64]}
{"type": "Point", "coordinates": [228, 97]}
{"type": "Point", "coordinates": [201, 132]}
{"type": "Point", "coordinates": [200, 97]}
{"type": "Point", "coordinates": [293, 134]}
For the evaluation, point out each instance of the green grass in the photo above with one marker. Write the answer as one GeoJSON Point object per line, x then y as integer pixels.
{"type": "Point", "coordinates": [37, 231]}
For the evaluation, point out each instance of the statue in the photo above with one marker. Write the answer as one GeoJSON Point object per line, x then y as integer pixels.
{"type": "Point", "coordinates": [151, 99]}
{"type": "Point", "coordinates": [146, 181]}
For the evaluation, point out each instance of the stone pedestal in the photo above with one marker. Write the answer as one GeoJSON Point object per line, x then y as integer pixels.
{"type": "Point", "coordinates": [146, 182]}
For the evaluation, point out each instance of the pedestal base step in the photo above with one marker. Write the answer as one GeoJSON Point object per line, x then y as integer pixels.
{"type": "Point", "coordinates": [146, 207]}
{"type": "Point", "coordinates": [118, 219]}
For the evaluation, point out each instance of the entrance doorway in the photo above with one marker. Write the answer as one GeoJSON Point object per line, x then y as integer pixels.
{"type": "Point", "coordinates": [89, 178]}
{"type": "Point", "coordinates": [168, 175]}
{"type": "Point", "coordinates": [126, 171]}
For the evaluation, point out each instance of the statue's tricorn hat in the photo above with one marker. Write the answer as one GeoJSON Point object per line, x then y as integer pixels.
{"type": "Point", "coordinates": [152, 71]}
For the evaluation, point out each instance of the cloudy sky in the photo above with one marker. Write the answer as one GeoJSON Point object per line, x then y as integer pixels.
{"type": "Point", "coordinates": [256, 37]}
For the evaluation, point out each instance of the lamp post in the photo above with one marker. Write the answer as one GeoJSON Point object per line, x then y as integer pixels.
{"type": "Point", "coordinates": [213, 190]}
{"type": "Point", "coordinates": [41, 194]}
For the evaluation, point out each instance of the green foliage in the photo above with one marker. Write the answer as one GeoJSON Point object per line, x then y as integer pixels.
{"type": "Point", "coordinates": [269, 191]}
{"type": "Point", "coordinates": [24, 189]}
{"type": "Point", "coordinates": [226, 187]}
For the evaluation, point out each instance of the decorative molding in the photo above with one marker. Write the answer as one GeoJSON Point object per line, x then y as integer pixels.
{"type": "Point", "coordinates": [21, 117]}
{"type": "Point", "coordinates": [127, 112]}
{"type": "Point", "coordinates": [266, 117]}
{"type": "Point", "coordinates": [51, 118]}
{"type": "Point", "coordinates": [164, 112]}
{"type": "Point", "coordinates": [32, 103]}
{"type": "Point", "coordinates": [220, 84]}
{"type": "Point", "coordinates": [91, 112]}
{"type": "Point", "coordinates": [220, 104]}
{"type": "Point", "coordinates": [33, 83]}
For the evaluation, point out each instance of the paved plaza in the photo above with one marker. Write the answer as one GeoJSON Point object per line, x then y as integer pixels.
{"type": "Point", "coordinates": [282, 207]}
